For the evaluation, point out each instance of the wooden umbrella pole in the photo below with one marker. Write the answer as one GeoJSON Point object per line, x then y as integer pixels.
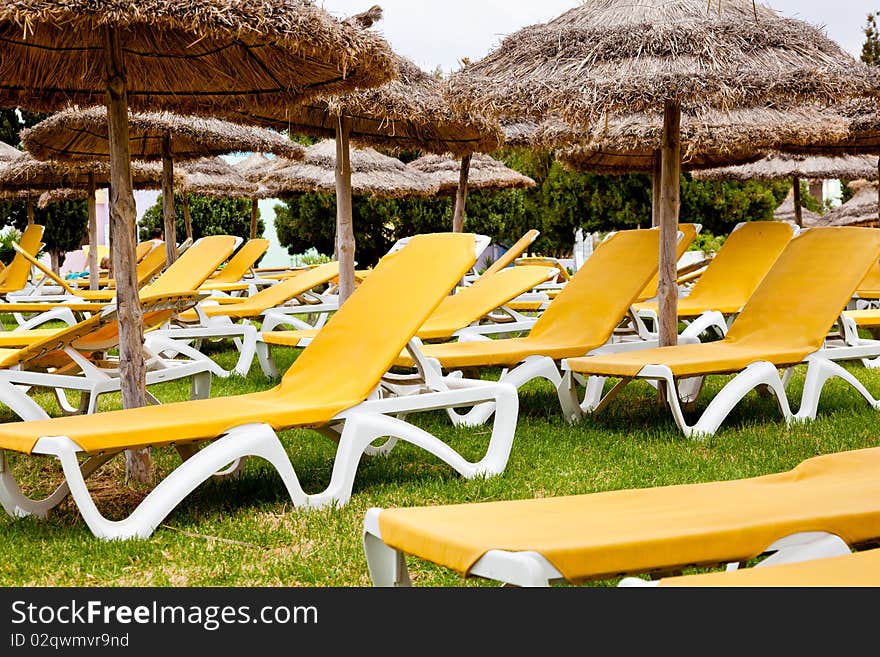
{"type": "Point", "coordinates": [170, 227]}
{"type": "Point", "coordinates": [345, 245]}
{"type": "Point", "coordinates": [187, 219]}
{"type": "Point", "coordinates": [796, 197]}
{"type": "Point", "coordinates": [655, 189]}
{"type": "Point", "coordinates": [670, 201]}
{"type": "Point", "coordinates": [93, 234]}
{"type": "Point", "coordinates": [255, 217]}
{"type": "Point", "coordinates": [461, 195]}
{"type": "Point", "coordinates": [132, 370]}
{"type": "Point", "coordinates": [29, 208]}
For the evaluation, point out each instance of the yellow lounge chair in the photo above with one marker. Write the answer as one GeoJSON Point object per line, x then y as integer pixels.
{"type": "Point", "coordinates": [730, 279]}
{"type": "Point", "coordinates": [237, 274]}
{"type": "Point", "coordinates": [457, 317]}
{"type": "Point", "coordinates": [147, 269]}
{"type": "Point", "coordinates": [581, 318]}
{"type": "Point", "coordinates": [687, 233]}
{"type": "Point", "coordinates": [331, 387]}
{"type": "Point", "coordinates": [15, 277]}
{"type": "Point", "coordinates": [142, 250]}
{"type": "Point", "coordinates": [76, 359]}
{"type": "Point", "coordinates": [868, 292]}
{"type": "Point", "coordinates": [507, 258]}
{"type": "Point", "coordinates": [217, 321]}
{"type": "Point", "coordinates": [577, 538]}
{"type": "Point", "coordinates": [847, 569]}
{"type": "Point", "coordinates": [784, 323]}
{"type": "Point", "coordinates": [186, 274]}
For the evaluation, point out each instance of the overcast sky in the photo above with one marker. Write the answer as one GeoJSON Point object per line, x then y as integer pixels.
{"type": "Point", "coordinates": [433, 33]}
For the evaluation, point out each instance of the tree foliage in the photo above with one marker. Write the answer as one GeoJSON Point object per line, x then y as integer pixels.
{"type": "Point", "coordinates": [209, 216]}
{"type": "Point", "coordinates": [560, 203]}
{"type": "Point", "coordinates": [65, 224]}
{"type": "Point", "coordinates": [871, 46]}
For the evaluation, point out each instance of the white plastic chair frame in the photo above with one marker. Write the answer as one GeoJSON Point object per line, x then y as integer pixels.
{"type": "Point", "coordinates": [527, 568]}
{"type": "Point", "coordinates": [355, 429]}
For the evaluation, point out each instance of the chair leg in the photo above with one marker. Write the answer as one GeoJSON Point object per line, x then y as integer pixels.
{"type": "Point", "coordinates": [246, 440]}
{"type": "Point", "coordinates": [533, 367]}
{"type": "Point", "coordinates": [819, 371]}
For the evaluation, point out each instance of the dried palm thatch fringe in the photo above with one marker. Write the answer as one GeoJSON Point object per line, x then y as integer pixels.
{"type": "Point", "coordinates": [863, 122]}
{"type": "Point", "coordinates": [27, 172]}
{"type": "Point", "coordinates": [82, 134]}
{"type": "Point", "coordinates": [8, 153]}
{"type": "Point", "coordinates": [485, 172]}
{"type": "Point", "coordinates": [254, 166]}
{"type": "Point", "coordinates": [13, 195]}
{"type": "Point", "coordinates": [60, 195]}
{"type": "Point", "coordinates": [372, 174]}
{"type": "Point", "coordinates": [410, 112]}
{"type": "Point", "coordinates": [620, 56]}
{"type": "Point", "coordinates": [193, 57]}
{"type": "Point", "coordinates": [212, 176]}
{"type": "Point", "coordinates": [785, 212]}
{"type": "Point", "coordinates": [777, 166]}
{"type": "Point", "coordinates": [709, 139]}
{"type": "Point", "coordinates": [860, 210]}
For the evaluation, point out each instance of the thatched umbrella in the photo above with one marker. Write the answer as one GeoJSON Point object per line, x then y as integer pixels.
{"type": "Point", "coordinates": [780, 166]}
{"type": "Point", "coordinates": [61, 195]}
{"type": "Point", "coordinates": [372, 174]}
{"type": "Point", "coordinates": [201, 56]}
{"type": "Point", "coordinates": [411, 112]}
{"type": "Point", "coordinates": [213, 176]}
{"type": "Point", "coordinates": [8, 153]}
{"type": "Point", "coordinates": [656, 57]}
{"type": "Point", "coordinates": [75, 134]}
{"type": "Point", "coordinates": [253, 168]}
{"type": "Point", "coordinates": [485, 173]}
{"type": "Point", "coordinates": [860, 210]}
{"type": "Point", "coordinates": [794, 214]}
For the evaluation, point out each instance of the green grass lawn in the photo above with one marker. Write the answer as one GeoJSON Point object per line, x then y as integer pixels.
{"type": "Point", "coordinates": [245, 531]}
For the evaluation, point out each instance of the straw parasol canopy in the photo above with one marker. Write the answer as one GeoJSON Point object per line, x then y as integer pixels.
{"type": "Point", "coordinates": [410, 112]}
{"type": "Point", "coordinates": [777, 166]}
{"type": "Point", "coordinates": [199, 56]}
{"type": "Point", "coordinates": [212, 176]}
{"type": "Point", "coordinates": [28, 173]}
{"type": "Point", "coordinates": [628, 144]}
{"type": "Point", "coordinates": [254, 167]}
{"type": "Point", "coordinates": [76, 134]}
{"type": "Point", "coordinates": [860, 210]}
{"type": "Point", "coordinates": [372, 174]}
{"type": "Point", "coordinates": [195, 57]}
{"type": "Point", "coordinates": [485, 173]}
{"type": "Point", "coordinates": [660, 58]}
{"type": "Point", "coordinates": [60, 195]}
{"type": "Point", "coordinates": [8, 153]}
{"type": "Point", "coordinates": [81, 134]}
{"type": "Point", "coordinates": [786, 212]}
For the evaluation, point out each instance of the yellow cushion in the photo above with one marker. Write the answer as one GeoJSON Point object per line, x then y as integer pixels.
{"type": "Point", "coordinates": [507, 258]}
{"type": "Point", "coordinates": [288, 338]}
{"type": "Point", "coordinates": [786, 319]}
{"type": "Point", "coordinates": [736, 270]}
{"type": "Point", "coordinates": [688, 234]}
{"type": "Point", "coordinates": [857, 569]}
{"type": "Point", "coordinates": [194, 266]}
{"type": "Point", "coordinates": [339, 369]}
{"type": "Point", "coordinates": [239, 264]}
{"type": "Point", "coordinates": [864, 318]}
{"type": "Point", "coordinates": [869, 288]}
{"type": "Point", "coordinates": [582, 317]}
{"type": "Point", "coordinates": [610, 533]}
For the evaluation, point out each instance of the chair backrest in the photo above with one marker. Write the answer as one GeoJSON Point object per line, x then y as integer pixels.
{"type": "Point", "coordinates": [742, 261]}
{"type": "Point", "coordinates": [687, 234]}
{"type": "Point", "coordinates": [506, 259]}
{"type": "Point", "coordinates": [99, 332]}
{"type": "Point", "coordinates": [807, 288]}
{"type": "Point", "coordinates": [19, 270]}
{"type": "Point", "coordinates": [143, 248]}
{"type": "Point", "coordinates": [486, 294]}
{"type": "Point", "coordinates": [361, 341]}
{"type": "Point", "coordinates": [595, 300]}
{"type": "Point", "coordinates": [285, 290]}
{"type": "Point", "coordinates": [870, 285]}
{"type": "Point", "coordinates": [150, 265]}
{"type": "Point", "coordinates": [239, 264]}
{"type": "Point", "coordinates": [193, 267]}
